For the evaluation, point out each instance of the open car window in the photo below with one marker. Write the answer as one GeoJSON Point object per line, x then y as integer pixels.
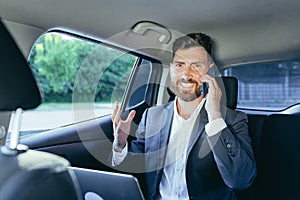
{"type": "Point", "coordinates": [72, 71]}
{"type": "Point", "coordinates": [269, 86]}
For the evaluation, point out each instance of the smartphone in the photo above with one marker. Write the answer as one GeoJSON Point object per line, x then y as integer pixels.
{"type": "Point", "coordinates": [204, 89]}
{"type": "Point", "coordinates": [204, 86]}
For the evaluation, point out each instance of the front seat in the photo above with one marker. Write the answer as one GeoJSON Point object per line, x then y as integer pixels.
{"type": "Point", "coordinates": [27, 174]}
{"type": "Point", "coordinates": [34, 175]}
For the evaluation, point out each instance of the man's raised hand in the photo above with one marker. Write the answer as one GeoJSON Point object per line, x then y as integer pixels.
{"type": "Point", "coordinates": [121, 127]}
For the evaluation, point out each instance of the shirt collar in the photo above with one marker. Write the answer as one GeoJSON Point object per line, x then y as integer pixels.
{"type": "Point", "coordinates": [193, 115]}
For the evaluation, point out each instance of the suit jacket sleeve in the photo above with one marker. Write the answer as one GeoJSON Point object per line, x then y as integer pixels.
{"type": "Point", "coordinates": [233, 152]}
{"type": "Point", "coordinates": [138, 145]}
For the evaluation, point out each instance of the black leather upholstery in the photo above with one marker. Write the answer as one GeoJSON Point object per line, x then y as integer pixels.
{"type": "Point", "coordinates": [275, 140]}
{"type": "Point", "coordinates": [279, 162]}
{"type": "Point", "coordinates": [255, 125]}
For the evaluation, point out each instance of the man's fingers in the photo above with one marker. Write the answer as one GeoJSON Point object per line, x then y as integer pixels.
{"type": "Point", "coordinates": [213, 85]}
{"type": "Point", "coordinates": [124, 126]}
{"type": "Point", "coordinates": [115, 110]}
{"type": "Point", "coordinates": [130, 116]}
{"type": "Point", "coordinates": [118, 122]}
{"type": "Point", "coordinates": [208, 79]}
{"type": "Point", "coordinates": [116, 115]}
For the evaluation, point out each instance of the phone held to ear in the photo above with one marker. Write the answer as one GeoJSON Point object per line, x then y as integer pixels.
{"type": "Point", "coordinates": [204, 89]}
{"type": "Point", "coordinates": [204, 86]}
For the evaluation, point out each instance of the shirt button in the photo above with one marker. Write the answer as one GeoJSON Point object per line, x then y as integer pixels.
{"type": "Point", "coordinates": [228, 146]}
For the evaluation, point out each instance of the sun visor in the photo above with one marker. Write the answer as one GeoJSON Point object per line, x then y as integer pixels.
{"type": "Point", "coordinates": [18, 88]}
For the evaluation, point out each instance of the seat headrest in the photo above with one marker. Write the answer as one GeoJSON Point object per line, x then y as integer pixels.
{"type": "Point", "coordinates": [35, 175]}
{"type": "Point", "coordinates": [231, 89]}
{"type": "Point", "coordinates": [18, 88]}
{"type": "Point", "coordinates": [230, 84]}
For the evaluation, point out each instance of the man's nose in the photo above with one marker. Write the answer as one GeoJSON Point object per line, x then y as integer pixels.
{"type": "Point", "coordinates": [187, 71]}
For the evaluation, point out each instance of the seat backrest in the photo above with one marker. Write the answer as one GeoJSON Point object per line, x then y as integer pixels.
{"type": "Point", "coordinates": [276, 144]}
{"type": "Point", "coordinates": [255, 127]}
{"type": "Point", "coordinates": [34, 175]}
{"type": "Point", "coordinates": [279, 162]}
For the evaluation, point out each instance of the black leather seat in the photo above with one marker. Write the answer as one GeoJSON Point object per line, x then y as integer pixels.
{"type": "Point", "coordinates": [255, 126]}
{"type": "Point", "coordinates": [276, 146]}
{"type": "Point", "coordinates": [279, 162]}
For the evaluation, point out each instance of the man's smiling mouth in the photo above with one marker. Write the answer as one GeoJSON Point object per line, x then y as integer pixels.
{"type": "Point", "coordinates": [187, 85]}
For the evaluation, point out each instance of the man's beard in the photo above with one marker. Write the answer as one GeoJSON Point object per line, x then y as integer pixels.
{"type": "Point", "coordinates": [185, 95]}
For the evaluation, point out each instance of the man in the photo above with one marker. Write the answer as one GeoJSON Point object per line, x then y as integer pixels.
{"type": "Point", "coordinates": [194, 147]}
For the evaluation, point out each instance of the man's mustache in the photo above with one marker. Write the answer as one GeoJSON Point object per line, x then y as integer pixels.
{"type": "Point", "coordinates": [186, 81]}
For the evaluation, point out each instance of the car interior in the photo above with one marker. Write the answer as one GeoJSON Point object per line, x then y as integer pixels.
{"type": "Point", "coordinates": [71, 161]}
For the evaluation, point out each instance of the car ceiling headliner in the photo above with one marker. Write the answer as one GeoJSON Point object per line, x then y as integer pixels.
{"type": "Point", "coordinates": [243, 30]}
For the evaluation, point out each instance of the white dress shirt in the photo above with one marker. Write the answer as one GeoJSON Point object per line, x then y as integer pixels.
{"type": "Point", "coordinates": [173, 183]}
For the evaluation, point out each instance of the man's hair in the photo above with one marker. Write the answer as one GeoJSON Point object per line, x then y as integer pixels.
{"type": "Point", "coordinates": [193, 40]}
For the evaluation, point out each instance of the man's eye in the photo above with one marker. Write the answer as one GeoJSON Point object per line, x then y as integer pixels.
{"type": "Point", "coordinates": [196, 66]}
{"type": "Point", "coordinates": [177, 65]}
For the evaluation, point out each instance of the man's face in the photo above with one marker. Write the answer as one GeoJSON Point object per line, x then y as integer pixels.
{"type": "Point", "coordinates": [186, 70]}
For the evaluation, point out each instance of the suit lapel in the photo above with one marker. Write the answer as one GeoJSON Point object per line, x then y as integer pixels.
{"type": "Point", "coordinates": [164, 136]}
{"type": "Point", "coordinates": [161, 139]}
{"type": "Point", "coordinates": [198, 128]}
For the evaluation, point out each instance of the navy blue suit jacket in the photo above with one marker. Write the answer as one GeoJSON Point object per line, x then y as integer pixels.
{"type": "Point", "coordinates": [216, 165]}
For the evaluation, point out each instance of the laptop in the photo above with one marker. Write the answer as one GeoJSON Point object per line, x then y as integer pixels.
{"type": "Point", "coordinates": [101, 185]}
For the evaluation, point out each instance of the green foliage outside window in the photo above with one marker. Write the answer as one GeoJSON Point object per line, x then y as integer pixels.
{"type": "Point", "coordinates": [56, 61]}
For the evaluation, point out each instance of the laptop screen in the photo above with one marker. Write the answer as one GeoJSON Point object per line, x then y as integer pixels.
{"type": "Point", "coordinates": [101, 185]}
